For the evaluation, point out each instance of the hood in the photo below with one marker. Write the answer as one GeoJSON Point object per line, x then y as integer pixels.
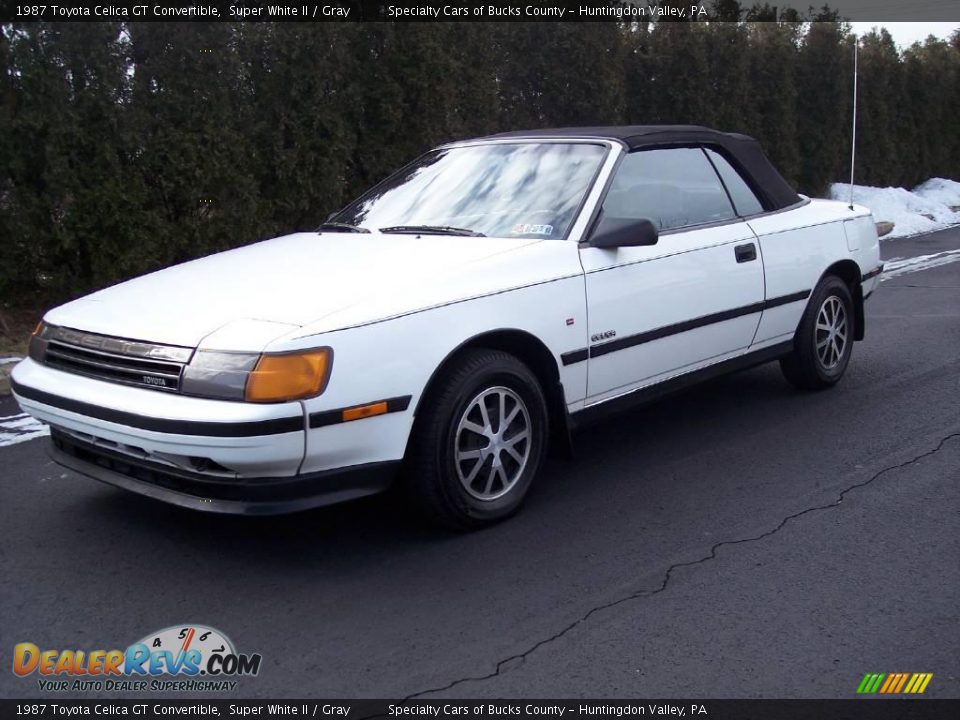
{"type": "Point", "coordinates": [279, 285]}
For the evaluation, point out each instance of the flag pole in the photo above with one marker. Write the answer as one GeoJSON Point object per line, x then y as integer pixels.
{"type": "Point", "coordinates": [853, 140]}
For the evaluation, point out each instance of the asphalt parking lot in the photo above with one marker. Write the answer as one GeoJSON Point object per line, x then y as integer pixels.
{"type": "Point", "coordinates": [738, 540]}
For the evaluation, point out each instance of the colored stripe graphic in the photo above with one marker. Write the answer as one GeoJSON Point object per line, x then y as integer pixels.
{"type": "Point", "coordinates": [871, 683]}
{"type": "Point", "coordinates": [894, 683]}
{"type": "Point", "coordinates": [918, 683]}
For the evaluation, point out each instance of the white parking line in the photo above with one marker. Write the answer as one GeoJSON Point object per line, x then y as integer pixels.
{"type": "Point", "coordinates": [20, 428]}
{"type": "Point", "coordinates": [901, 266]}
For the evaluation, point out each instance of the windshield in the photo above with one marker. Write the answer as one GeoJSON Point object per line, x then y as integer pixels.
{"type": "Point", "coordinates": [531, 189]}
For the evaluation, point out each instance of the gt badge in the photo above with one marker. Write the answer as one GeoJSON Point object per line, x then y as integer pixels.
{"type": "Point", "coordinates": [605, 335]}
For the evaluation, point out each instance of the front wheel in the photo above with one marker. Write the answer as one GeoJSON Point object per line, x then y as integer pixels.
{"type": "Point", "coordinates": [824, 339]}
{"type": "Point", "coordinates": [478, 442]}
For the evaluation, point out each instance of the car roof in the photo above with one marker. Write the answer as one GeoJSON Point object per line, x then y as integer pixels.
{"type": "Point", "coordinates": [742, 151]}
{"type": "Point", "coordinates": [630, 135]}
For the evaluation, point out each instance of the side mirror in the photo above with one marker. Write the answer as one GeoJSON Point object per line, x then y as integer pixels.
{"type": "Point", "coordinates": [624, 232]}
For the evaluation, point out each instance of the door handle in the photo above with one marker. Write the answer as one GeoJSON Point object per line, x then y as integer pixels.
{"type": "Point", "coordinates": [745, 253]}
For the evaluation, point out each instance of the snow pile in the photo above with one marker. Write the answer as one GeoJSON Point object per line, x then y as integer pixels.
{"type": "Point", "coordinates": [940, 190]}
{"type": "Point", "coordinates": [931, 206]}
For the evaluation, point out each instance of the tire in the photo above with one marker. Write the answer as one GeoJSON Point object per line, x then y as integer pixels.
{"type": "Point", "coordinates": [451, 474]}
{"type": "Point", "coordinates": [821, 355]}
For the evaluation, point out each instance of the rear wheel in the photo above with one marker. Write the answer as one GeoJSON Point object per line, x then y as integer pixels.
{"type": "Point", "coordinates": [824, 340]}
{"type": "Point", "coordinates": [478, 442]}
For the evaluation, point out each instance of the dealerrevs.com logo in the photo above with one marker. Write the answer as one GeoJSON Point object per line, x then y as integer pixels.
{"type": "Point", "coordinates": [178, 658]}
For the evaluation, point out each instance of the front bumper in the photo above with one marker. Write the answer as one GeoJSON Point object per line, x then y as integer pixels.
{"type": "Point", "coordinates": [212, 455]}
{"type": "Point", "coordinates": [248, 440]}
{"type": "Point", "coordinates": [235, 496]}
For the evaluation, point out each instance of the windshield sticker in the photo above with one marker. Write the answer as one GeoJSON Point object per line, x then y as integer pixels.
{"type": "Point", "coordinates": [528, 229]}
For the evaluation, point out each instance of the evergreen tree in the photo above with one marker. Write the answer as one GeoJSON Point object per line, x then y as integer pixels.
{"type": "Point", "coordinates": [824, 90]}
{"type": "Point", "coordinates": [761, 12]}
{"type": "Point", "coordinates": [933, 92]}
{"type": "Point", "coordinates": [195, 152]}
{"type": "Point", "coordinates": [679, 75]}
{"type": "Point", "coordinates": [73, 197]}
{"type": "Point", "coordinates": [299, 101]}
{"type": "Point", "coordinates": [556, 74]}
{"type": "Point", "coordinates": [12, 249]}
{"type": "Point", "coordinates": [773, 93]}
{"type": "Point", "coordinates": [127, 147]}
{"type": "Point", "coordinates": [413, 92]}
{"type": "Point", "coordinates": [728, 57]}
{"type": "Point", "coordinates": [884, 133]}
{"type": "Point", "coordinates": [638, 67]}
{"type": "Point", "coordinates": [727, 11]}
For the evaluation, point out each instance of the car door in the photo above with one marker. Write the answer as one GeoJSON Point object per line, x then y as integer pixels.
{"type": "Point", "coordinates": [692, 298]}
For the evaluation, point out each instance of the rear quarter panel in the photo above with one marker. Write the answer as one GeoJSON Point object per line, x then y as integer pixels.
{"type": "Point", "coordinates": [798, 246]}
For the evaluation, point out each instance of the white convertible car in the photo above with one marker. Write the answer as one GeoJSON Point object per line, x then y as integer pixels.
{"type": "Point", "coordinates": [447, 325]}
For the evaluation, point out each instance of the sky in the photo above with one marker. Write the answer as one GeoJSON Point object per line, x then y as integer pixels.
{"type": "Point", "coordinates": [906, 33]}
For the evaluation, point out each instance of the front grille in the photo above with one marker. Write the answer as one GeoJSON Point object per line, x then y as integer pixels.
{"type": "Point", "coordinates": [130, 362]}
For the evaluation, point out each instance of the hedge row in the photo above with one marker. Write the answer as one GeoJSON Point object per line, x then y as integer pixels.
{"type": "Point", "coordinates": [127, 147]}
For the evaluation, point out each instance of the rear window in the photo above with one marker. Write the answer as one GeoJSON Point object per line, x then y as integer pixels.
{"type": "Point", "coordinates": [744, 200]}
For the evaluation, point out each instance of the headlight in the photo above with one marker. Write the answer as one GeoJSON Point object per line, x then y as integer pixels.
{"type": "Point", "coordinates": [218, 374]}
{"type": "Point", "coordinates": [289, 376]}
{"type": "Point", "coordinates": [271, 377]}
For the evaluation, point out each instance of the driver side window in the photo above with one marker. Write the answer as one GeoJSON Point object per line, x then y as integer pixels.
{"type": "Point", "coordinates": [673, 187]}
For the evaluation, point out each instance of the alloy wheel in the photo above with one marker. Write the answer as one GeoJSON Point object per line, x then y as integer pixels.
{"type": "Point", "coordinates": [492, 444]}
{"type": "Point", "coordinates": [831, 332]}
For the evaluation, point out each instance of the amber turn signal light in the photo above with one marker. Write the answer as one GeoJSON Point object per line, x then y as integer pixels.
{"type": "Point", "coordinates": [364, 411]}
{"type": "Point", "coordinates": [289, 376]}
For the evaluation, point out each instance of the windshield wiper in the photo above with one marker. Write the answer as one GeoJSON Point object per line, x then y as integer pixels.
{"type": "Point", "coordinates": [434, 229]}
{"type": "Point", "coordinates": [342, 227]}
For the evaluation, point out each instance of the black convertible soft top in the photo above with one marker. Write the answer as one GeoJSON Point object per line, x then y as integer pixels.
{"type": "Point", "coordinates": [742, 151]}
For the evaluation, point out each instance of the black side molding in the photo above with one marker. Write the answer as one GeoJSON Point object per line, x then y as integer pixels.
{"type": "Point", "coordinates": [651, 393]}
{"type": "Point", "coordinates": [253, 428]}
{"type": "Point", "coordinates": [334, 417]}
{"type": "Point", "coordinates": [872, 274]}
{"type": "Point", "coordinates": [630, 341]}
{"type": "Point", "coordinates": [575, 356]}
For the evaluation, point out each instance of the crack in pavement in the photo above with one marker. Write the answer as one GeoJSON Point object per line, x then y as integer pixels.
{"type": "Point", "coordinates": [668, 574]}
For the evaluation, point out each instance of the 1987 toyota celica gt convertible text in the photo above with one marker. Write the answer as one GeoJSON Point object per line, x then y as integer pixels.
{"type": "Point", "coordinates": [488, 297]}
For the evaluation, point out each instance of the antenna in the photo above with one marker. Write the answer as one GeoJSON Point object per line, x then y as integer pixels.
{"type": "Point", "coordinates": [853, 139]}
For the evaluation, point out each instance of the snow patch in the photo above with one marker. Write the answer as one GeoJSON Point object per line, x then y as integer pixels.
{"type": "Point", "coordinates": [10, 360]}
{"type": "Point", "coordinates": [20, 428]}
{"type": "Point", "coordinates": [929, 206]}
{"type": "Point", "coordinates": [940, 190]}
{"type": "Point", "coordinates": [903, 266]}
